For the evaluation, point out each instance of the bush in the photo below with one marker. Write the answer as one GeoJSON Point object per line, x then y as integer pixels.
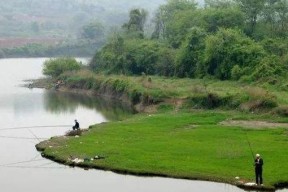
{"type": "Point", "coordinates": [282, 111]}
{"type": "Point", "coordinates": [56, 67]}
{"type": "Point", "coordinates": [208, 101]}
{"type": "Point", "coordinates": [259, 99]}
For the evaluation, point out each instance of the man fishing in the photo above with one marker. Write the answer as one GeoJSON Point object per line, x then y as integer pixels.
{"type": "Point", "coordinates": [258, 169]}
{"type": "Point", "coordinates": [76, 126]}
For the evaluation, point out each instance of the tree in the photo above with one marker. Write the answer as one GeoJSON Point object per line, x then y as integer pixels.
{"type": "Point", "coordinates": [135, 25]}
{"type": "Point", "coordinates": [219, 3]}
{"type": "Point", "coordinates": [252, 10]}
{"type": "Point", "coordinates": [227, 48]}
{"type": "Point", "coordinates": [281, 8]}
{"type": "Point", "coordinates": [191, 53]}
{"type": "Point", "coordinates": [92, 31]}
{"type": "Point", "coordinates": [222, 17]}
{"type": "Point", "coordinates": [165, 16]}
{"type": "Point", "coordinates": [35, 27]}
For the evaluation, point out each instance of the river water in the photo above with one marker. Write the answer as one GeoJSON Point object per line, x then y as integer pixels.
{"type": "Point", "coordinates": [31, 115]}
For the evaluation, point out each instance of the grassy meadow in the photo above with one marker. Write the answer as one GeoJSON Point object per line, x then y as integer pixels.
{"type": "Point", "coordinates": [180, 144]}
{"type": "Point", "coordinates": [184, 136]}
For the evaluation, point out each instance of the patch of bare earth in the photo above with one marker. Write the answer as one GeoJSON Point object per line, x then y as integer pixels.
{"type": "Point", "coordinates": [254, 124]}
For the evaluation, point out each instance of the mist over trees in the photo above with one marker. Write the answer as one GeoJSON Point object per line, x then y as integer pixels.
{"type": "Point", "coordinates": [223, 39]}
{"type": "Point", "coordinates": [62, 27]}
{"type": "Point", "coordinates": [62, 18]}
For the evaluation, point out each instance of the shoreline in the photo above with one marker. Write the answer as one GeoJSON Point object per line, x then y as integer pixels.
{"type": "Point", "coordinates": [240, 184]}
{"type": "Point", "coordinates": [123, 171]}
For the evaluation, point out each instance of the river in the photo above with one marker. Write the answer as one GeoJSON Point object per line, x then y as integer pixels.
{"type": "Point", "coordinates": [32, 115]}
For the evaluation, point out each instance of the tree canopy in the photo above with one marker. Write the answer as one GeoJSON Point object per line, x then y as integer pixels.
{"type": "Point", "coordinates": [224, 39]}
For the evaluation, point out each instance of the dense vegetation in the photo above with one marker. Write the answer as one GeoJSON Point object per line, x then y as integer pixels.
{"type": "Point", "coordinates": [226, 39]}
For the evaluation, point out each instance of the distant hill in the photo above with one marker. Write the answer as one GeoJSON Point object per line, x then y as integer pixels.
{"type": "Point", "coordinates": [63, 18]}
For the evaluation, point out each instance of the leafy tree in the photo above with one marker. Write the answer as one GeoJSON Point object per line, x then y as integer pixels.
{"type": "Point", "coordinates": [191, 54]}
{"type": "Point", "coordinates": [275, 46]}
{"type": "Point", "coordinates": [56, 67]}
{"type": "Point", "coordinates": [111, 57]}
{"type": "Point", "coordinates": [135, 25]}
{"type": "Point", "coordinates": [252, 10]}
{"type": "Point", "coordinates": [281, 12]}
{"type": "Point", "coordinates": [227, 48]}
{"type": "Point", "coordinates": [93, 30]}
{"type": "Point", "coordinates": [219, 3]}
{"type": "Point", "coordinates": [165, 16]}
{"type": "Point", "coordinates": [215, 18]}
{"type": "Point", "coordinates": [268, 67]}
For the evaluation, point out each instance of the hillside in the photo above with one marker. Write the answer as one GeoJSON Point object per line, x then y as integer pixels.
{"type": "Point", "coordinates": [64, 18]}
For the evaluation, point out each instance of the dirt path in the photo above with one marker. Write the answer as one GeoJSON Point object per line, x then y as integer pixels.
{"type": "Point", "coordinates": [254, 124]}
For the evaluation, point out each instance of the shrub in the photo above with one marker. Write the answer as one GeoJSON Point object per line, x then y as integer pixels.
{"type": "Point", "coordinates": [258, 99]}
{"type": "Point", "coordinates": [208, 101]}
{"type": "Point", "coordinates": [282, 111]}
{"type": "Point", "coordinates": [56, 67]}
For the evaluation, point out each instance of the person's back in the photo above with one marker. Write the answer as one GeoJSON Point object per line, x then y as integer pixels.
{"type": "Point", "coordinates": [76, 126]}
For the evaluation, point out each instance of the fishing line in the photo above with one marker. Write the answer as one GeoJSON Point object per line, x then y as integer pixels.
{"type": "Point", "coordinates": [21, 162]}
{"type": "Point", "coordinates": [34, 167]}
{"type": "Point", "coordinates": [21, 138]}
{"type": "Point", "coordinates": [34, 135]}
{"type": "Point", "coordinates": [248, 141]}
{"type": "Point", "coordinates": [33, 127]}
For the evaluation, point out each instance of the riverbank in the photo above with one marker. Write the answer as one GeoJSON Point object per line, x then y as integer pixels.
{"type": "Point", "coordinates": [189, 145]}
{"type": "Point", "coordinates": [177, 140]}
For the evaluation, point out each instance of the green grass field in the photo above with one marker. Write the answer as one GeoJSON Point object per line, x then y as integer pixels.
{"type": "Point", "coordinates": [181, 144]}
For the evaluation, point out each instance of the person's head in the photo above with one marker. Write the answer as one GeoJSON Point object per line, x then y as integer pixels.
{"type": "Point", "coordinates": [257, 156]}
{"type": "Point", "coordinates": [75, 120]}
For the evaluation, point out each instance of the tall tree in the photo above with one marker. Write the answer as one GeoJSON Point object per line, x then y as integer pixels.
{"type": "Point", "coordinates": [166, 14]}
{"type": "Point", "coordinates": [219, 3]}
{"type": "Point", "coordinates": [135, 25]}
{"type": "Point", "coordinates": [252, 10]}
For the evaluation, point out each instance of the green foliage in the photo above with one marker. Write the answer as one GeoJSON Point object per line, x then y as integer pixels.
{"type": "Point", "coordinates": [190, 54]}
{"type": "Point", "coordinates": [236, 72]}
{"type": "Point", "coordinates": [227, 48]}
{"type": "Point", "coordinates": [215, 18]}
{"type": "Point", "coordinates": [258, 99]}
{"type": "Point", "coordinates": [223, 40]}
{"type": "Point", "coordinates": [135, 26]}
{"type": "Point", "coordinates": [132, 56]}
{"type": "Point", "coordinates": [56, 67]}
{"type": "Point", "coordinates": [269, 67]}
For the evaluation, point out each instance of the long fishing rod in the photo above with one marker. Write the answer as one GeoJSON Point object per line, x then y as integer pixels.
{"type": "Point", "coordinates": [33, 127]}
{"type": "Point", "coordinates": [248, 141]}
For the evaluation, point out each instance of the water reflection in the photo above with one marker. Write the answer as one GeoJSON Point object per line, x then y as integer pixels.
{"type": "Point", "coordinates": [62, 102]}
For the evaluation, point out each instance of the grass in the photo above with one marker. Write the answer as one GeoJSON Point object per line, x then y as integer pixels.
{"type": "Point", "coordinates": [183, 145]}
{"type": "Point", "coordinates": [179, 141]}
{"type": "Point", "coordinates": [197, 92]}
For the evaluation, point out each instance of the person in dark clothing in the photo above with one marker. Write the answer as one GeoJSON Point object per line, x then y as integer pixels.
{"type": "Point", "coordinates": [76, 126]}
{"type": "Point", "coordinates": [258, 169]}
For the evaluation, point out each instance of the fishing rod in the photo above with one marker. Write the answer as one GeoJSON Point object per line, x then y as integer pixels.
{"type": "Point", "coordinates": [33, 127]}
{"type": "Point", "coordinates": [249, 144]}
